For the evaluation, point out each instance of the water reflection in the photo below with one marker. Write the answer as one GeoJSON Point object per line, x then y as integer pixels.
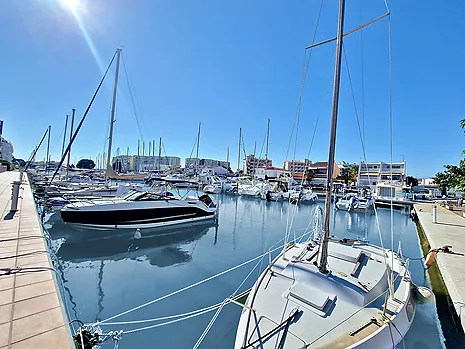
{"type": "Point", "coordinates": [105, 276]}
{"type": "Point", "coordinates": [160, 248]}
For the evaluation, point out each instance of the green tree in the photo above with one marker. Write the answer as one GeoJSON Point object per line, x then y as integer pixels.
{"type": "Point", "coordinates": [452, 178]}
{"type": "Point", "coordinates": [86, 163]}
{"type": "Point", "coordinates": [20, 162]}
{"type": "Point", "coordinates": [411, 181]}
{"type": "Point", "coordinates": [462, 125]}
{"type": "Point", "coordinates": [353, 174]}
{"type": "Point", "coordinates": [309, 175]}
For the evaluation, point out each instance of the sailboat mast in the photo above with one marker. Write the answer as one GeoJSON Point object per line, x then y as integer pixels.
{"type": "Point", "coordinates": [48, 149]}
{"type": "Point", "coordinates": [64, 136]}
{"type": "Point", "coordinates": [267, 139]}
{"type": "Point", "coordinates": [332, 141]}
{"type": "Point", "coordinates": [70, 139]}
{"type": "Point", "coordinates": [239, 150]}
{"type": "Point", "coordinates": [159, 156]}
{"type": "Point", "coordinates": [227, 158]}
{"type": "Point", "coordinates": [113, 105]}
{"type": "Point", "coordinates": [153, 153]}
{"type": "Point", "coordinates": [198, 141]}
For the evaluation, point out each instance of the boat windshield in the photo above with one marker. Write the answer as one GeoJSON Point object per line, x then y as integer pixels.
{"type": "Point", "coordinates": [151, 196]}
{"type": "Point", "coordinates": [130, 195]}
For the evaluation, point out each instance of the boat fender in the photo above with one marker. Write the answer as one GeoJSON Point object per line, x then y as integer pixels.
{"type": "Point", "coordinates": [423, 294]}
{"type": "Point", "coordinates": [430, 258]}
{"type": "Point", "coordinates": [137, 234]}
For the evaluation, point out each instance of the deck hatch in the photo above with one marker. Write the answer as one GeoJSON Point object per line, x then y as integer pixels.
{"type": "Point", "coordinates": [310, 296]}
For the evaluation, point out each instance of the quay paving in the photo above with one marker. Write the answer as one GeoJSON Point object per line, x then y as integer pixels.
{"type": "Point", "coordinates": [31, 310]}
{"type": "Point", "coordinates": [449, 230]}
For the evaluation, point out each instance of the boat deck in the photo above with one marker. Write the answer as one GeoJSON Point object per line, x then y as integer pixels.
{"type": "Point", "coordinates": [31, 311]}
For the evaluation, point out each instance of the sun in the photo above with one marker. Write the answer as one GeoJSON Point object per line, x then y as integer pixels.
{"type": "Point", "coordinates": [72, 5]}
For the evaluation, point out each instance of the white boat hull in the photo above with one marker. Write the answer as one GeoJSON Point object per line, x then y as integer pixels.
{"type": "Point", "coordinates": [141, 225]}
{"type": "Point", "coordinates": [334, 310]}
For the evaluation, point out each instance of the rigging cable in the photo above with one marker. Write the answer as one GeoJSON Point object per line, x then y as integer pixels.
{"type": "Point", "coordinates": [305, 67]}
{"type": "Point", "coordinates": [363, 76]}
{"type": "Point", "coordinates": [390, 138]}
{"type": "Point", "coordinates": [304, 79]}
{"type": "Point", "coordinates": [365, 159]}
{"type": "Point", "coordinates": [83, 118]}
{"type": "Point", "coordinates": [133, 102]}
{"type": "Point", "coordinates": [363, 145]}
{"type": "Point", "coordinates": [272, 249]}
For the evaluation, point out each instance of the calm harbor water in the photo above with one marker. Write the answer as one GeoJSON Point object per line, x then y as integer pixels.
{"type": "Point", "coordinates": [103, 276]}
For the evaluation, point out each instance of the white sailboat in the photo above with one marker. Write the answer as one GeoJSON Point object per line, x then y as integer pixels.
{"type": "Point", "coordinates": [326, 294]}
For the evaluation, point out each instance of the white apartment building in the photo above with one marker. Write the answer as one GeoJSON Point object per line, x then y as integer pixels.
{"type": "Point", "coordinates": [197, 162]}
{"type": "Point", "coordinates": [126, 163]}
{"type": "Point", "coordinates": [6, 148]}
{"type": "Point", "coordinates": [371, 174]}
{"type": "Point", "coordinates": [296, 166]}
{"type": "Point", "coordinates": [270, 172]}
{"type": "Point", "coordinates": [251, 163]}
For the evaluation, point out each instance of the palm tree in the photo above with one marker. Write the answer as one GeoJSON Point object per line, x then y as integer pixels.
{"type": "Point", "coordinates": [462, 124]}
{"type": "Point", "coordinates": [309, 175]}
{"type": "Point", "coordinates": [353, 174]}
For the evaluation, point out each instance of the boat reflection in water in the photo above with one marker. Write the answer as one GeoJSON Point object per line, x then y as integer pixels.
{"type": "Point", "coordinates": [159, 246]}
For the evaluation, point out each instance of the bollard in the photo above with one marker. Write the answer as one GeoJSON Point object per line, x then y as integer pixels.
{"type": "Point", "coordinates": [435, 214]}
{"type": "Point", "coordinates": [15, 196]}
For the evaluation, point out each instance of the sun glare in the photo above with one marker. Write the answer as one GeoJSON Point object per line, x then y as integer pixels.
{"type": "Point", "coordinates": [72, 5]}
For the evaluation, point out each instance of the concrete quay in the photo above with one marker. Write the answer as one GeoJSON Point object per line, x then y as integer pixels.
{"type": "Point", "coordinates": [32, 314]}
{"type": "Point", "coordinates": [448, 230]}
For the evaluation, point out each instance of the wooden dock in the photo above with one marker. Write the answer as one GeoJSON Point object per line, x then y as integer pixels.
{"type": "Point", "coordinates": [449, 230]}
{"type": "Point", "coordinates": [32, 314]}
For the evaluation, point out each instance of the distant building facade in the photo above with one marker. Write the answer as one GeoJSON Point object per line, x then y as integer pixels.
{"type": "Point", "coordinates": [270, 172]}
{"type": "Point", "coordinates": [319, 172]}
{"type": "Point", "coordinates": [251, 163]}
{"type": "Point", "coordinates": [197, 162]}
{"type": "Point", "coordinates": [6, 147]}
{"type": "Point", "coordinates": [370, 174]}
{"type": "Point", "coordinates": [143, 163]}
{"type": "Point", "coordinates": [296, 166]}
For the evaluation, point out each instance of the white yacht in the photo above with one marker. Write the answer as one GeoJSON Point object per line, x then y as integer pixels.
{"type": "Point", "coordinates": [218, 185]}
{"type": "Point", "coordinates": [305, 196]}
{"type": "Point", "coordinates": [355, 203]}
{"type": "Point", "coordinates": [253, 188]}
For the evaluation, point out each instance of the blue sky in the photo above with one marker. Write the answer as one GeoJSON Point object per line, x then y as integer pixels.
{"type": "Point", "coordinates": [231, 64]}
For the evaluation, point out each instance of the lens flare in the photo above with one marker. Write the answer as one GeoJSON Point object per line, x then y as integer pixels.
{"type": "Point", "coordinates": [71, 5]}
{"type": "Point", "coordinates": [79, 8]}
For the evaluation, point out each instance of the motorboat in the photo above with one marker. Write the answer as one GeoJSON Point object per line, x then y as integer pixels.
{"type": "Point", "coordinates": [56, 203]}
{"type": "Point", "coordinates": [254, 189]}
{"type": "Point", "coordinates": [147, 209]}
{"type": "Point", "coordinates": [217, 186]}
{"type": "Point", "coordinates": [356, 203]}
{"type": "Point", "coordinates": [305, 196]}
